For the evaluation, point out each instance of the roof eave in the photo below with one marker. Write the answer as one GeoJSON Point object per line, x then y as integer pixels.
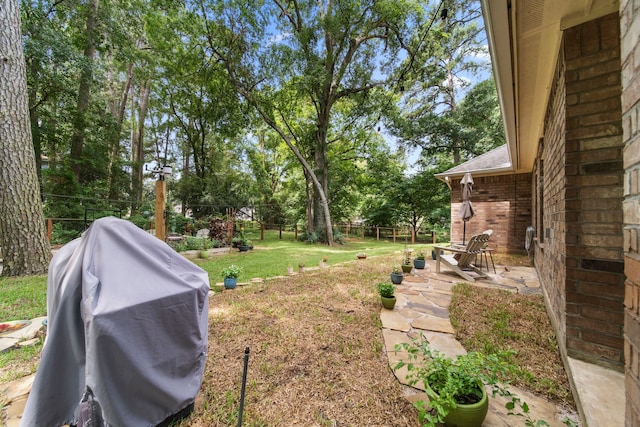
{"type": "Point", "coordinates": [447, 177]}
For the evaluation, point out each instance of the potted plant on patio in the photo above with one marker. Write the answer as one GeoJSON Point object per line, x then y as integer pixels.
{"type": "Point", "coordinates": [406, 263]}
{"type": "Point", "coordinates": [418, 261]}
{"type": "Point", "coordinates": [396, 276]}
{"type": "Point", "coordinates": [455, 386]}
{"type": "Point", "coordinates": [230, 275]}
{"type": "Point", "coordinates": [387, 297]}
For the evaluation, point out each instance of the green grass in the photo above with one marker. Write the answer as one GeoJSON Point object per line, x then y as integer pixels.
{"type": "Point", "coordinates": [23, 297]}
{"type": "Point", "coordinates": [20, 361]}
{"type": "Point", "coordinates": [272, 256]}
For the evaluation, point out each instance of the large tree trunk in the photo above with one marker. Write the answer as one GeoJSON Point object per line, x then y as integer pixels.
{"type": "Point", "coordinates": [84, 92]}
{"type": "Point", "coordinates": [322, 217]}
{"type": "Point", "coordinates": [308, 191]}
{"type": "Point", "coordinates": [117, 107]}
{"type": "Point", "coordinates": [137, 145]}
{"type": "Point", "coordinates": [34, 118]}
{"type": "Point", "coordinates": [23, 238]}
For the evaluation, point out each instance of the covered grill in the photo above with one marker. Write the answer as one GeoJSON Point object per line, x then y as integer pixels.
{"type": "Point", "coordinates": [127, 318]}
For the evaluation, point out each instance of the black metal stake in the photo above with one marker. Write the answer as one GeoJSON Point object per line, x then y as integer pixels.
{"type": "Point", "coordinates": [244, 385]}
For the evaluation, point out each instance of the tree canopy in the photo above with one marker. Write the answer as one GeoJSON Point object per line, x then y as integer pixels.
{"type": "Point", "coordinates": [302, 111]}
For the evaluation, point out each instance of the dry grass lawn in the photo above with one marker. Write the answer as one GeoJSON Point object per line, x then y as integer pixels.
{"type": "Point", "coordinates": [317, 356]}
{"type": "Point", "coordinates": [316, 353]}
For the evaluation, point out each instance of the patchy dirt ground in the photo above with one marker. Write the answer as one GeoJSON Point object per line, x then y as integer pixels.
{"type": "Point", "coordinates": [316, 354]}
{"type": "Point", "coordinates": [516, 322]}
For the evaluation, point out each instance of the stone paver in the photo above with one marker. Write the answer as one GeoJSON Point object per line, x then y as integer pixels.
{"type": "Point", "coordinates": [432, 323]}
{"type": "Point", "coordinates": [14, 396]}
{"type": "Point", "coordinates": [422, 312]}
{"type": "Point", "coordinates": [11, 339]}
{"type": "Point", "coordinates": [391, 319]}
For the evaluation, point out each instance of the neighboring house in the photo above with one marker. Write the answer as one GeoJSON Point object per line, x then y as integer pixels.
{"type": "Point", "coordinates": [501, 200]}
{"type": "Point", "coordinates": [568, 79]}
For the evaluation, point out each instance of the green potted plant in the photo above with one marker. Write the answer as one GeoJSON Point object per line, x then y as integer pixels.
{"type": "Point", "coordinates": [230, 275]}
{"type": "Point", "coordinates": [406, 264]}
{"type": "Point", "coordinates": [419, 261]}
{"type": "Point", "coordinates": [361, 255]}
{"type": "Point", "coordinates": [387, 291]}
{"type": "Point", "coordinates": [243, 244]}
{"type": "Point", "coordinates": [455, 387]}
{"type": "Point", "coordinates": [301, 267]}
{"type": "Point", "coordinates": [396, 276]}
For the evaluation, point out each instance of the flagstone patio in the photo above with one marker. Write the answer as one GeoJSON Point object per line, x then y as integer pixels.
{"type": "Point", "coordinates": [421, 308]}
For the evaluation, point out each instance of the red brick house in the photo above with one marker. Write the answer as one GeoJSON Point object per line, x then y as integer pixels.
{"type": "Point", "coordinates": [568, 79]}
{"type": "Point", "coordinates": [501, 200]}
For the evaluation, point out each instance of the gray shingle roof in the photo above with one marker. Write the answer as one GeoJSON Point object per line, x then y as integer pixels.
{"type": "Point", "coordinates": [495, 161]}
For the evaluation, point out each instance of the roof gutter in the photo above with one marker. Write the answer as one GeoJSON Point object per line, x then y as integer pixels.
{"type": "Point", "coordinates": [448, 177]}
{"type": "Point", "coordinates": [499, 29]}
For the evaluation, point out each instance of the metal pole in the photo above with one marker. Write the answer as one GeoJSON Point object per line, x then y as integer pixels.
{"type": "Point", "coordinates": [244, 385]}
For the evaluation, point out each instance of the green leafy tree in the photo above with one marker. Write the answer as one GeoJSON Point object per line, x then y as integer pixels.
{"type": "Point", "coordinates": [429, 115]}
{"type": "Point", "coordinates": [322, 53]}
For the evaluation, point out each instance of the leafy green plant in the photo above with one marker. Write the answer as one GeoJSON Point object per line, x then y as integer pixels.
{"type": "Point", "coordinates": [396, 270]}
{"type": "Point", "coordinates": [239, 240]}
{"type": "Point", "coordinates": [309, 237]}
{"type": "Point", "coordinates": [420, 255]}
{"type": "Point", "coordinates": [450, 382]}
{"type": "Point", "coordinates": [407, 257]}
{"type": "Point", "coordinates": [231, 272]}
{"type": "Point", "coordinates": [386, 290]}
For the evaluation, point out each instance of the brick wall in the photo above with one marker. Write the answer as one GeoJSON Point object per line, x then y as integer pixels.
{"type": "Point", "coordinates": [579, 256]}
{"type": "Point", "coordinates": [549, 212]}
{"type": "Point", "coordinates": [630, 56]}
{"type": "Point", "coordinates": [501, 203]}
{"type": "Point", "coordinates": [594, 175]}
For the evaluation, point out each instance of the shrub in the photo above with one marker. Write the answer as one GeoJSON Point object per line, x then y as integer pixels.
{"type": "Point", "coordinates": [231, 272]}
{"type": "Point", "coordinates": [386, 290]}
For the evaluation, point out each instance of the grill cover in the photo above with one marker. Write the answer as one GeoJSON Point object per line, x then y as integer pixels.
{"type": "Point", "coordinates": [127, 316]}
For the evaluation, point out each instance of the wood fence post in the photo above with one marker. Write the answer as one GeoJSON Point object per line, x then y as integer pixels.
{"type": "Point", "coordinates": [280, 231]}
{"type": "Point", "coordinates": [378, 233]}
{"type": "Point", "coordinates": [394, 234]}
{"type": "Point", "coordinates": [262, 231]}
{"type": "Point", "coordinates": [295, 231]}
{"type": "Point", "coordinates": [433, 237]}
{"type": "Point", "coordinates": [413, 236]}
{"type": "Point", "coordinates": [363, 232]}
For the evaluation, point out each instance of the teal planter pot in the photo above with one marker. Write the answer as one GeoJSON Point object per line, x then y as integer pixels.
{"type": "Point", "coordinates": [396, 279]}
{"type": "Point", "coordinates": [419, 263]}
{"type": "Point", "coordinates": [230, 282]}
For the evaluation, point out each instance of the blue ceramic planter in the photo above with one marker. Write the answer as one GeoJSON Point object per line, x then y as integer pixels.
{"type": "Point", "coordinates": [396, 279]}
{"type": "Point", "coordinates": [230, 282]}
